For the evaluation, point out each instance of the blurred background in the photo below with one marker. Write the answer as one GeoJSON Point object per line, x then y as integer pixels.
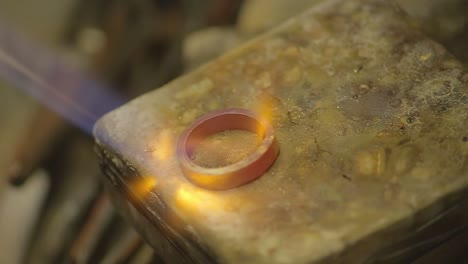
{"type": "Point", "coordinates": [52, 206]}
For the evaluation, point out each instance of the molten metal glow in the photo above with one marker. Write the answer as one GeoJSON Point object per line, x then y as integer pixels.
{"type": "Point", "coordinates": [143, 186]}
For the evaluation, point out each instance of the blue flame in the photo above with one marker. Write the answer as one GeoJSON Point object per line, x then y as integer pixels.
{"type": "Point", "coordinates": [72, 93]}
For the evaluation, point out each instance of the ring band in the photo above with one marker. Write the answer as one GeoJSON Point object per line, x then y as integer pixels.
{"type": "Point", "coordinates": [238, 173]}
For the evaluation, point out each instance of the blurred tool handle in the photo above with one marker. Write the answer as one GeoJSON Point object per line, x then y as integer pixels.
{"type": "Point", "coordinates": [38, 141]}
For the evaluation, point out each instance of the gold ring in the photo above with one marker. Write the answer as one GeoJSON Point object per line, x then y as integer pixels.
{"type": "Point", "coordinates": [238, 173]}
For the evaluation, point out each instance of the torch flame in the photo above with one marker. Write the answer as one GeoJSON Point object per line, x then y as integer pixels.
{"type": "Point", "coordinates": [164, 145]}
{"type": "Point", "coordinates": [194, 200]}
{"type": "Point", "coordinates": [143, 186]}
{"type": "Point", "coordinates": [265, 114]}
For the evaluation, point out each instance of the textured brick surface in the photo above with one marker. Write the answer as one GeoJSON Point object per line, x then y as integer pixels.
{"type": "Point", "coordinates": [371, 117]}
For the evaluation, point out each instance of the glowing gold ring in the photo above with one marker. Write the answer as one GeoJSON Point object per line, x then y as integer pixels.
{"type": "Point", "coordinates": [233, 175]}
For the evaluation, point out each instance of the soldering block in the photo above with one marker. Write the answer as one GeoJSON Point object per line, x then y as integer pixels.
{"type": "Point", "coordinates": [371, 119]}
